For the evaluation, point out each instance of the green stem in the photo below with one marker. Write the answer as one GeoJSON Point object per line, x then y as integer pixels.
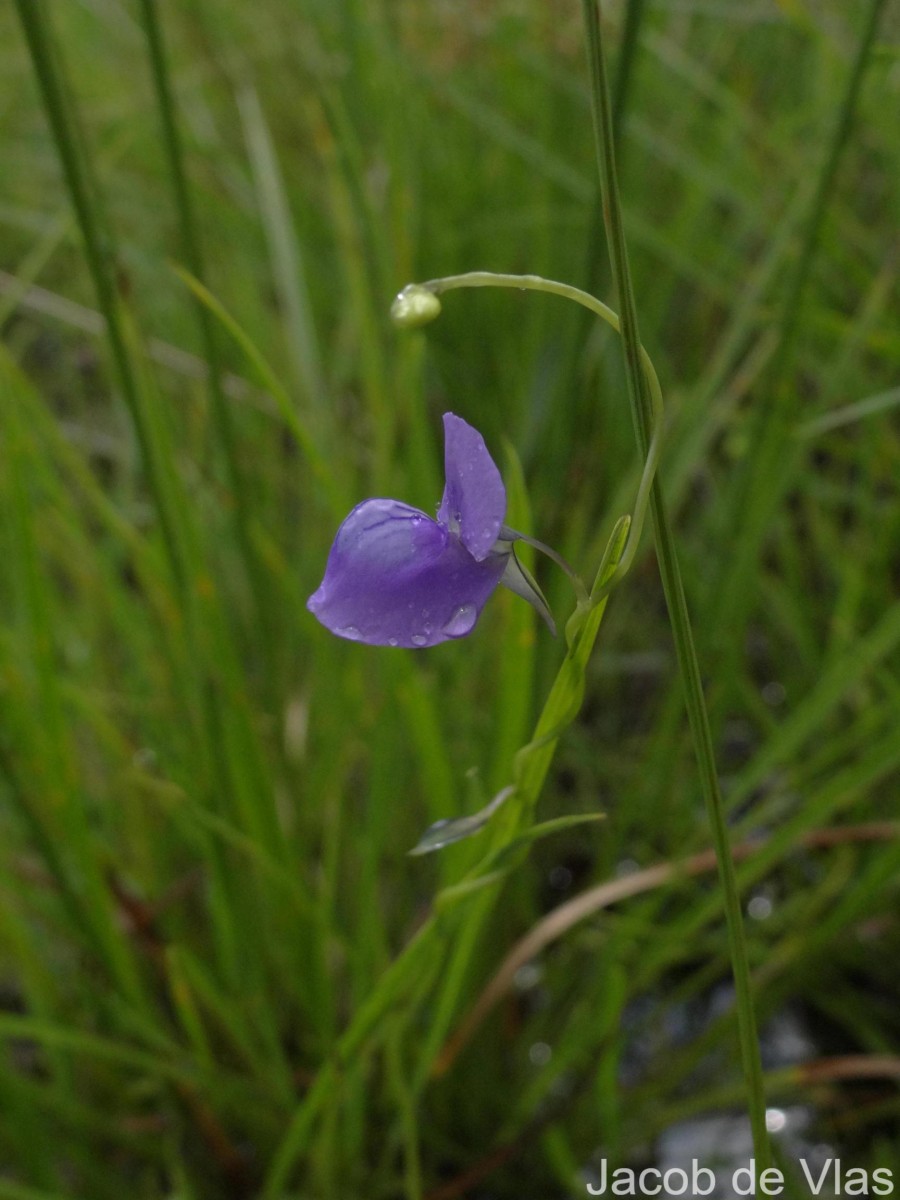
{"type": "Point", "coordinates": [97, 245]}
{"type": "Point", "coordinates": [193, 254]}
{"type": "Point", "coordinates": [791, 308]}
{"type": "Point", "coordinates": [190, 240]}
{"type": "Point", "coordinates": [642, 411]}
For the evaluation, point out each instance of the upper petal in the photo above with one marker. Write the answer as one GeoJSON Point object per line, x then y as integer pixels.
{"type": "Point", "coordinates": [474, 501]}
{"type": "Point", "coordinates": [395, 577]}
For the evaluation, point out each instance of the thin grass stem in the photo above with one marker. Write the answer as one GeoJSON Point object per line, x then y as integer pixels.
{"type": "Point", "coordinates": [83, 193]}
{"type": "Point", "coordinates": [641, 406]}
{"type": "Point", "coordinates": [193, 253]}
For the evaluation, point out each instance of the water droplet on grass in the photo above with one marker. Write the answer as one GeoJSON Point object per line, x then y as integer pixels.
{"type": "Point", "coordinates": [776, 1120]}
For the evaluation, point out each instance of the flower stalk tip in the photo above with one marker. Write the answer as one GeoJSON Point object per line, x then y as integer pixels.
{"type": "Point", "coordinates": [415, 306]}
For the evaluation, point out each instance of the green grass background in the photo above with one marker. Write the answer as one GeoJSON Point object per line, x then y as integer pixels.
{"type": "Point", "coordinates": [211, 983]}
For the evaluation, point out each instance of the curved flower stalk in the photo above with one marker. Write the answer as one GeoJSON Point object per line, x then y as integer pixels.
{"type": "Point", "coordinates": [419, 303]}
{"type": "Point", "coordinates": [397, 577]}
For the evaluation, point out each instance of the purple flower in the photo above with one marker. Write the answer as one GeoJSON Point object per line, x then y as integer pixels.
{"type": "Point", "coordinates": [397, 577]}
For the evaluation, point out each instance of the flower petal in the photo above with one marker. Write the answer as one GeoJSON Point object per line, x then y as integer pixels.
{"type": "Point", "coordinates": [395, 577]}
{"type": "Point", "coordinates": [474, 502]}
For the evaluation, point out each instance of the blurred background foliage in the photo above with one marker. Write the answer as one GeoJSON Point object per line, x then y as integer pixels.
{"type": "Point", "coordinates": [206, 801]}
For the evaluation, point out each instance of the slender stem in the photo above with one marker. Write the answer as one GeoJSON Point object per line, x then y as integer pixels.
{"type": "Point", "coordinates": [641, 404]}
{"type": "Point", "coordinates": [537, 283]}
{"type": "Point", "coordinates": [77, 172]}
{"type": "Point", "coordinates": [792, 305]}
{"type": "Point", "coordinates": [190, 239]}
{"type": "Point", "coordinates": [193, 254]}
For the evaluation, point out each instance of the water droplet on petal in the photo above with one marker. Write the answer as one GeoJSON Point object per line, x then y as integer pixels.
{"type": "Point", "coordinates": [418, 640]}
{"type": "Point", "coordinates": [428, 629]}
{"type": "Point", "coordinates": [462, 621]}
{"type": "Point", "coordinates": [392, 642]}
{"type": "Point", "coordinates": [349, 631]}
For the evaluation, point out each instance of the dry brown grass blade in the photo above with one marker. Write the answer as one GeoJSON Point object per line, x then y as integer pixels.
{"type": "Point", "coordinates": [563, 918]}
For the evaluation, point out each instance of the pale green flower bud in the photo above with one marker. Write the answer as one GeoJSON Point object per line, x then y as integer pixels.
{"type": "Point", "coordinates": [415, 306]}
